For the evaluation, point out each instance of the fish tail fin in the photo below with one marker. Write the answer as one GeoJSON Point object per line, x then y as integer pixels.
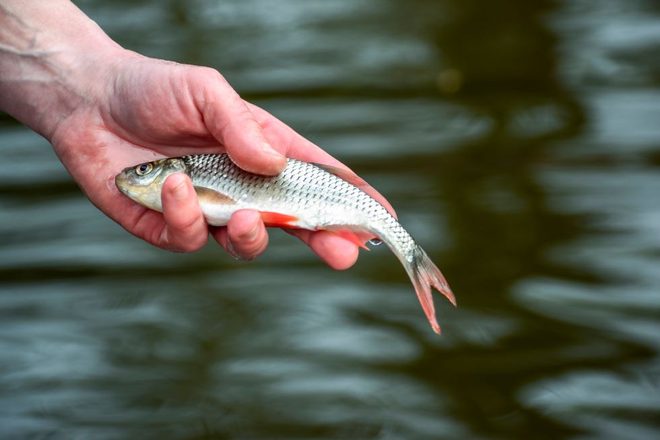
{"type": "Point", "coordinates": [424, 274]}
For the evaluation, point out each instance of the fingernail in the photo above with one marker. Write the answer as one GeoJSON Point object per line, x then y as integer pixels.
{"type": "Point", "coordinates": [232, 251]}
{"type": "Point", "coordinates": [266, 148]}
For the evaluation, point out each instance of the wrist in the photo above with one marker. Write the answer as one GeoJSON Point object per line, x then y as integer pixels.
{"type": "Point", "coordinates": [53, 60]}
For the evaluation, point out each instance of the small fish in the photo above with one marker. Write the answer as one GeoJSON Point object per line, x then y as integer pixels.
{"type": "Point", "coordinates": [304, 196]}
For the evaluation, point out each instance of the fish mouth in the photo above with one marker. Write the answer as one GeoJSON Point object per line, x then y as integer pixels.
{"type": "Point", "coordinates": [121, 183]}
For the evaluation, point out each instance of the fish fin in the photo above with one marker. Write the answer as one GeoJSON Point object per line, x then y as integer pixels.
{"type": "Point", "coordinates": [352, 236]}
{"type": "Point", "coordinates": [424, 275]}
{"type": "Point", "coordinates": [344, 174]}
{"type": "Point", "coordinates": [355, 235]}
{"type": "Point", "coordinates": [278, 220]}
{"type": "Point", "coordinates": [212, 196]}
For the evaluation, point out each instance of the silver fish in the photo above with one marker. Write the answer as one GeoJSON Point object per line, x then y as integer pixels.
{"type": "Point", "coordinates": [304, 195]}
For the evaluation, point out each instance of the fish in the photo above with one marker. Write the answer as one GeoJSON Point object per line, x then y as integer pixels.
{"type": "Point", "coordinates": [304, 195]}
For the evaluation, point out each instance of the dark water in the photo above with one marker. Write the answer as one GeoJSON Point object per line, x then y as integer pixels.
{"type": "Point", "coordinates": [519, 141]}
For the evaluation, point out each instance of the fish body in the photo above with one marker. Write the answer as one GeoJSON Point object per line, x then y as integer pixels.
{"type": "Point", "coordinates": [304, 196]}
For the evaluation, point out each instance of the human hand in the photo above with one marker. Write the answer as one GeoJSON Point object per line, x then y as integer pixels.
{"type": "Point", "coordinates": [156, 109]}
{"type": "Point", "coordinates": [115, 108]}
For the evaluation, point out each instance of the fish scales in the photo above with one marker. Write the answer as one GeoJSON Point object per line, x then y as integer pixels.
{"type": "Point", "coordinates": [305, 195]}
{"type": "Point", "coordinates": [301, 184]}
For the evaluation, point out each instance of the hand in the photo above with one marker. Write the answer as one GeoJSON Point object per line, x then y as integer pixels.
{"type": "Point", "coordinates": [118, 108]}
{"type": "Point", "coordinates": [156, 109]}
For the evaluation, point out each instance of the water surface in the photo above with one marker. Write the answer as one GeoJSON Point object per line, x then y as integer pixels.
{"type": "Point", "coordinates": [519, 142]}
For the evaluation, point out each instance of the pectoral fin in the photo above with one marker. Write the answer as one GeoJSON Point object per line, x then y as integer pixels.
{"type": "Point", "coordinates": [210, 196]}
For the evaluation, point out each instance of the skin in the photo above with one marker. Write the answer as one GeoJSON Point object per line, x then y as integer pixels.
{"type": "Point", "coordinates": [104, 108]}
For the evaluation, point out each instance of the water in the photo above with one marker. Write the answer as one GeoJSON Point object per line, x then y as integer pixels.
{"type": "Point", "coordinates": [519, 143]}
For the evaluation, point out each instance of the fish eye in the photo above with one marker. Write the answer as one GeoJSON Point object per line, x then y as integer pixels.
{"type": "Point", "coordinates": [143, 169]}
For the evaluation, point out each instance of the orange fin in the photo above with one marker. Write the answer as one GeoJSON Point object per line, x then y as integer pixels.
{"type": "Point", "coordinates": [424, 276]}
{"type": "Point", "coordinates": [278, 220]}
{"type": "Point", "coordinates": [353, 237]}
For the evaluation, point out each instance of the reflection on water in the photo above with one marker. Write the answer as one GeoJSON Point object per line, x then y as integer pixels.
{"type": "Point", "coordinates": [519, 143]}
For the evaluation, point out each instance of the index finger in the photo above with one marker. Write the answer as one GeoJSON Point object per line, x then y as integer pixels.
{"type": "Point", "coordinates": [232, 124]}
{"type": "Point", "coordinates": [291, 144]}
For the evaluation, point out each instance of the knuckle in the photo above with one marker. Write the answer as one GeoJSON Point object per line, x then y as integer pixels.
{"type": "Point", "coordinates": [196, 242]}
{"type": "Point", "coordinates": [189, 236]}
{"type": "Point", "coordinates": [188, 225]}
{"type": "Point", "coordinates": [249, 249]}
{"type": "Point", "coordinates": [211, 79]}
{"type": "Point", "coordinates": [189, 243]}
{"type": "Point", "coordinates": [205, 73]}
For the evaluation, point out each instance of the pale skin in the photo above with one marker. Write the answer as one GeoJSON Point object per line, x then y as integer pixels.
{"type": "Point", "coordinates": [104, 108]}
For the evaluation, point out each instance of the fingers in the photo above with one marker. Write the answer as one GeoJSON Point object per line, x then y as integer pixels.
{"type": "Point", "coordinates": [296, 146]}
{"type": "Point", "coordinates": [231, 122]}
{"type": "Point", "coordinates": [258, 142]}
{"type": "Point", "coordinates": [185, 229]}
{"type": "Point", "coordinates": [245, 236]}
{"type": "Point", "coordinates": [337, 252]}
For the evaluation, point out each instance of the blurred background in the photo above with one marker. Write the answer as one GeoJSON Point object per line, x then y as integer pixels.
{"type": "Point", "coordinates": [520, 143]}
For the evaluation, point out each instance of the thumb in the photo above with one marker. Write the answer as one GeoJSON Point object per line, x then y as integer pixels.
{"type": "Point", "coordinates": [231, 122]}
{"type": "Point", "coordinates": [185, 229]}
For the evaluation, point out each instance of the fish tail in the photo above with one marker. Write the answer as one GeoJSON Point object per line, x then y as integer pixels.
{"type": "Point", "coordinates": [424, 275]}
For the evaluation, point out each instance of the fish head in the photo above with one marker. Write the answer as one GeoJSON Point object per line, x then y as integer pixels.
{"type": "Point", "coordinates": [143, 183]}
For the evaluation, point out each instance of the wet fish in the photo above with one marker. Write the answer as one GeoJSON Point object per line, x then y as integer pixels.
{"type": "Point", "coordinates": [305, 195]}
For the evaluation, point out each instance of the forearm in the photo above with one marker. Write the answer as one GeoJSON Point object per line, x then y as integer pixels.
{"type": "Point", "coordinates": [47, 51]}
